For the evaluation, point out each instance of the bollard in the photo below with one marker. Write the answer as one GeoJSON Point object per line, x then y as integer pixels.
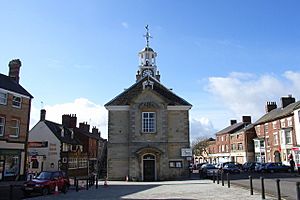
{"type": "Point", "coordinates": [298, 190]}
{"type": "Point", "coordinates": [263, 196]}
{"type": "Point", "coordinates": [222, 178]}
{"type": "Point", "coordinates": [214, 177]}
{"type": "Point", "coordinates": [251, 185]}
{"type": "Point", "coordinates": [278, 189]}
{"type": "Point", "coordinates": [218, 178]}
{"type": "Point", "coordinates": [96, 182]}
{"type": "Point", "coordinates": [10, 192]}
{"type": "Point", "coordinates": [87, 184]}
{"type": "Point", "coordinates": [228, 180]}
{"type": "Point", "coordinates": [76, 185]}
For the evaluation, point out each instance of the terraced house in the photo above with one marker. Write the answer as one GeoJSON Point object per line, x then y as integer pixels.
{"type": "Point", "coordinates": [15, 104]}
{"type": "Point", "coordinates": [276, 132]}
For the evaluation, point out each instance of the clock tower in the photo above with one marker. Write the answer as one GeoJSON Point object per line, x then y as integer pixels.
{"type": "Point", "coordinates": [147, 61]}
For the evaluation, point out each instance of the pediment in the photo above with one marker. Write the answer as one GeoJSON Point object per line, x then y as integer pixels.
{"type": "Point", "coordinates": [127, 97]}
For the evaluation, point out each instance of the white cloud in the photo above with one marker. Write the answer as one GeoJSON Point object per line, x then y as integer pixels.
{"type": "Point", "coordinates": [125, 24]}
{"type": "Point", "coordinates": [201, 127]}
{"type": "Point", "coordinates": [85, 110]}
{"type": "Point", "coordinates": [246, 94]}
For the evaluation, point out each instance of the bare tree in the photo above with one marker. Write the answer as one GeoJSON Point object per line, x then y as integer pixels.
{"type": "Point", "coordinates": [200, 146]}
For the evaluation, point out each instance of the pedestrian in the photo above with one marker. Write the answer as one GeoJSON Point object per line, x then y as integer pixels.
{"type": "Point", "coordinates": [292, 164]}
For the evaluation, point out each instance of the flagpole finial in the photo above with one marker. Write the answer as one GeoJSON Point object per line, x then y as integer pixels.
{"type": "Point", "coordinates": [147, 35]}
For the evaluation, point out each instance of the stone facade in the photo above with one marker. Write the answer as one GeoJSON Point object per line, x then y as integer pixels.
{"type": "Point", "coordinates": [136, 153]}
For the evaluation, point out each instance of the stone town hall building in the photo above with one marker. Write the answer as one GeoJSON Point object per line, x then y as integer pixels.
{"type": "Point", "coordinates": [148, 128]}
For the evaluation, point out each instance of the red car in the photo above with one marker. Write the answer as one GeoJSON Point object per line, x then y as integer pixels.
{"type": "Point", "coordinates": [46, 182]}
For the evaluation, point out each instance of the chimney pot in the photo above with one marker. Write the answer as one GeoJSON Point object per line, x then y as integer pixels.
{"type": "Point", "coordinates": [270, 106]}
{"type": "Point", "coordinates": [233, 121]}
{"type": "Point", "coordinates": [246, 119]}
{"type": "Point", "coordinates": [285, 101]}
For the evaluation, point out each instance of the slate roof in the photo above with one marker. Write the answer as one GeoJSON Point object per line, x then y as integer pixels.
{"type": "Point", "coordinates": [278, 113]}
{"type": "Point", "coordinates": [233, 128]}
{"type": "Point", "coordinates": [10, 84]}
{"type": "Point", "coordinates": [126, 97]}
{"type": "Point", "coordinates": [88, 134]}
{"type": "Point", "coordinates": [56, 130]}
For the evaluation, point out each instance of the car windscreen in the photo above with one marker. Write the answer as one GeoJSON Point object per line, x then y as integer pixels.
{"type": "Point", "coordinates": [44, 176]}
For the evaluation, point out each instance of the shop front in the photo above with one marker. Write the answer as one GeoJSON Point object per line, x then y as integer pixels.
{"type": "Point", "coordinates": [10, 164]}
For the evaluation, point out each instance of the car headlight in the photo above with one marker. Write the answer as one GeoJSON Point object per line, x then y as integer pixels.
{"type": "Point", "coordinates": [38, 185]}
{"type": "Point", "coordinates": [25, 185]}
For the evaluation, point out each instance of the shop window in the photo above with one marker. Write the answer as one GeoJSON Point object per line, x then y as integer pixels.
{"type": "Point", "coordinates": [12, 163]}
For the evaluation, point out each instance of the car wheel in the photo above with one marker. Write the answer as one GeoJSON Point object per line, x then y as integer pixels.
{"type": "Point", "coordinates": [65, 189]}
{"type": "Point", "coordinates": [26, 194]}
{"type": "Point", "coordinates": [45, 191]}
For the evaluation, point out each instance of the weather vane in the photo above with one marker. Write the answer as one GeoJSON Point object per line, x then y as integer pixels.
{"type": "Point", "coordinates": [147, 36]}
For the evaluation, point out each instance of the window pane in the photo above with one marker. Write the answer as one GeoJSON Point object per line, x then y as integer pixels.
{"type": "Point", "coordinates": [16, 102]}
{"type": "Point", "coordinates": [2, 125]}
{"type": "Point", "coordinates": [148, 120]}
{"type": "Point", "coordinates": [14, 129]}
{"type": "Point", "coordinates": [3, 98]}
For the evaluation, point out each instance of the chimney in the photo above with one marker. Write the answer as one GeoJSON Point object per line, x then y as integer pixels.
{"type": "Point", "coordinates": [94, 130]}
{"type": "Point", "coordinates": [14, 69]}
{"type": "Point", "coordinates": [43, 115]}
{"type": "Point", "coordinates": [84, 126]}
{"type": "Point", "coordinates": [285, 101]}
{"type": "Point", "coordinates": [233, 121]}
{"type": "Point", "coordinates": [69, 121]}
{"type": "Point", "coordinates": [270, 106]}
{"type": "Point", "coordinates": [246, 119]}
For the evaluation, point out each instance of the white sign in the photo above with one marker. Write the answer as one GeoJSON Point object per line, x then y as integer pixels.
{"type": "Point", "coordinates": [186, 152]}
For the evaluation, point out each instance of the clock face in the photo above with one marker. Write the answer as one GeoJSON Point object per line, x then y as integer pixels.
{"type": "Point", "coordinates": [147, 72]}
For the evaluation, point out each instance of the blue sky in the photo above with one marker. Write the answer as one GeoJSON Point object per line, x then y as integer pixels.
{"type": "Point", "coordinates": [227, 58]}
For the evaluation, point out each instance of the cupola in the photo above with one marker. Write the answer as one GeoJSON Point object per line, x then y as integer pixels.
{"type": "Point", "coordinates": [147, 60]}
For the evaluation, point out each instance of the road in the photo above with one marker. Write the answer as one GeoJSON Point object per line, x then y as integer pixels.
{"type": "Point", "coordinates": [287, 182]}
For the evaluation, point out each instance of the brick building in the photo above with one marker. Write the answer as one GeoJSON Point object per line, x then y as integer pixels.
{"type": "Point", "coordinates": [275, 131]}
{"type": "Point", "coordinates": [68, 147]}
{"type": "Point", "coordinates": [233, 143]}
{"type": "Point", "coordinates": [15, 104]}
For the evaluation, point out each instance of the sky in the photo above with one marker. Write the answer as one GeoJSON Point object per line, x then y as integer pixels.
{"type": "Point", "coordinates": [226, 58]}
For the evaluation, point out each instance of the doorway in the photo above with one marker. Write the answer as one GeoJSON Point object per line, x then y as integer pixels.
{"type": "Point", "coordinates": [149, 167]}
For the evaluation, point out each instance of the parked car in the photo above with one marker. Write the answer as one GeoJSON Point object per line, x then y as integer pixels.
{"type": "Point", "coordinates": [231, 168]}
{"type": "Point", "coordinates": [274, 167]}
{"type": "Point", "coordinates": [221, 165]}
{"type": "Point", "coordinates": [249, 166]}
{"type": "Point", "coordinates": [207, 170]}
{"type": "Point", "coordinates": [46, 182]}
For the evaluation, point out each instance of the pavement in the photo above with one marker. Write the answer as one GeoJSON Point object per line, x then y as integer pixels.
{"type": "Point", "coordinates": [184, 190]}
